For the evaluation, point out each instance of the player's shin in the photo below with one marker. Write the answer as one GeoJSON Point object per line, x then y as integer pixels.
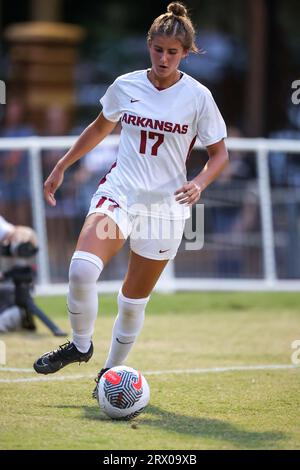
{"type": "Point", "coordinates": [127, 326]}
{"type": "Point", "coordinates": [85, 269]}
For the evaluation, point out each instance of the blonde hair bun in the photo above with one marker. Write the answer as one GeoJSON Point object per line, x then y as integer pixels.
{"type": "Point", "coordinates": [175, 22]}
{"type": "Point", "coordinates": [177, 9]}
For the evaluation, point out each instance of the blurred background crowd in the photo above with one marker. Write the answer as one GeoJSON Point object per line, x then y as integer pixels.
{"type": "Point", "coordinates": [58, 57]}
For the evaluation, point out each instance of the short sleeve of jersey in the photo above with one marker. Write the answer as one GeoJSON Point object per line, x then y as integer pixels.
{"type": "Point", "coordinates": [111, 103]}
{"type": "Point", "coordinates": [211, 127]}
{"type": "Point", "coordinates": [5, 228]}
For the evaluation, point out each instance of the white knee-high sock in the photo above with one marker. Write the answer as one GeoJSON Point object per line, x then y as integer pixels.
{"type": "Point", "coordinates": [85, 269]}
{"type": "Point", "coordinates": [127, 326]}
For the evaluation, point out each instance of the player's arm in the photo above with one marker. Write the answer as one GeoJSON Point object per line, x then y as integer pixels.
{"type": "Point", "coordinates": [218, 158]}
{"type": "Point", "coordinates": [90, 137]}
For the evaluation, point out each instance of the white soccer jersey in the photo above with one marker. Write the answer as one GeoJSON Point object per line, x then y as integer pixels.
{"type": "Point", "coordinates": [159, 128]}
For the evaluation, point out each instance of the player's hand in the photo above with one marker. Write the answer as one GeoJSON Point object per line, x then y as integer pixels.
{"type": "Point", "coordinates": [51, 184]}
{"type": "Point", "coordinates": [189, 194]}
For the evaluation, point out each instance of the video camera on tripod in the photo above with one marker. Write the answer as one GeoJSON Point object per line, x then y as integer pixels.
{"type": "Point", "coordinates": [23, 277]}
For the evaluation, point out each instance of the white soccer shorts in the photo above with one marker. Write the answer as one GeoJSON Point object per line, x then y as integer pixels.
{"type": "Point", "coordinates": [150, 237]}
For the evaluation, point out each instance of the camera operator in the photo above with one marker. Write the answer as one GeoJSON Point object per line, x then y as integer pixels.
{"type": "Point", "coordinates": [13, 239]}
{"type": "Point", "coordinates": [13, 235]}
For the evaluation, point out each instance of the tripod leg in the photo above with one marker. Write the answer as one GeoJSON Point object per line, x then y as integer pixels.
{"type": "Point", "coordinates": [30, 305]}
{"type": "Point", "coordinates": [27, 320]}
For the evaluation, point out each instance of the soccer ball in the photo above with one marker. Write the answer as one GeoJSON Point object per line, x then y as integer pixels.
{"type": "Point", "coordinates": [123, 393]}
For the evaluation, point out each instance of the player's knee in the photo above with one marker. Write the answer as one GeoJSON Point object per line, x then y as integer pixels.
{"type": "Point", "coordinates": [76, 276]}
{"type": "Point", "coordinates": [85, 268]}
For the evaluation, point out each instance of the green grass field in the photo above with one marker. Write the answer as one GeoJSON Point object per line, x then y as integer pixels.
{"type": "Point", "coordinates": [232, 409]}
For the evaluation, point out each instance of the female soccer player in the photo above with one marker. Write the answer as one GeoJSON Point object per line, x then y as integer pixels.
{"type": "Point", "coordinates": [145, 195]}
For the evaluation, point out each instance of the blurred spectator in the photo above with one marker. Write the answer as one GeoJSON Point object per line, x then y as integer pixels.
{"type": "Point", "coordinates": [14, 166]}
{"type": "Point", "coordinates": [56, 124]}
{"type": "Point", "coordinates": [285, 180]}
{"type": "Point", "coordinates": [222, 53]}
{"type": "Point", "coordinates": [233, 213]}
{"type": "Point", "coordinates": [285, 167]}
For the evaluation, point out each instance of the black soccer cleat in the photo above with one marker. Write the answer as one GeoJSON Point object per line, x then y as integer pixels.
{"type": "Point", "coordinates": [97, 380]}
{"type": "Point", "coordinates": [67, 353]}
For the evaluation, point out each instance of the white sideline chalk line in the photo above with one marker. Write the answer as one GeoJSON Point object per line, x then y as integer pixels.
{"type": "Point", "coordinates": [154, 372]}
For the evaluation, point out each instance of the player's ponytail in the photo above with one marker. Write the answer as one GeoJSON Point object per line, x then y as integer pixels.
{"type": "Point", "coordinates": [177, 23]}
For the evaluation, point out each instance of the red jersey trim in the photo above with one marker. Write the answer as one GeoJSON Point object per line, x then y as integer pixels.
{"type": "Point", "coordinates": [102, 181]}
{"type": "Point", "coordinates": [190, 148]}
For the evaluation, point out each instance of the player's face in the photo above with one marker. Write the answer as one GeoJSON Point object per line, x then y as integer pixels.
{"type": "Point", "coordinates": [166, 54]}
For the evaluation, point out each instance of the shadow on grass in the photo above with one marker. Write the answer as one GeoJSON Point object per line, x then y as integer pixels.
{"type": "Point", "coordinates": [211, 429]}
{"type": "Point", "coordinates": [205, 428]}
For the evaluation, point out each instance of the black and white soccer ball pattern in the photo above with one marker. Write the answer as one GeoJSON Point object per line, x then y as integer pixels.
{"type": "Point", "coordinates": [123, 393]}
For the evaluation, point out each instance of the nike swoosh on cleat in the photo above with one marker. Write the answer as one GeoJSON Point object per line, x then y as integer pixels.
{"type": "Point", "coordinates": [164, 251]}
{"type": "Point", "coordinates": [42, 365]}
{"type": "Point", "coordinates": [130, 342]}
{"type": "Point", "coordinates": [134, 101]}
{"type": "Point", "coordinates": [47, 365]}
